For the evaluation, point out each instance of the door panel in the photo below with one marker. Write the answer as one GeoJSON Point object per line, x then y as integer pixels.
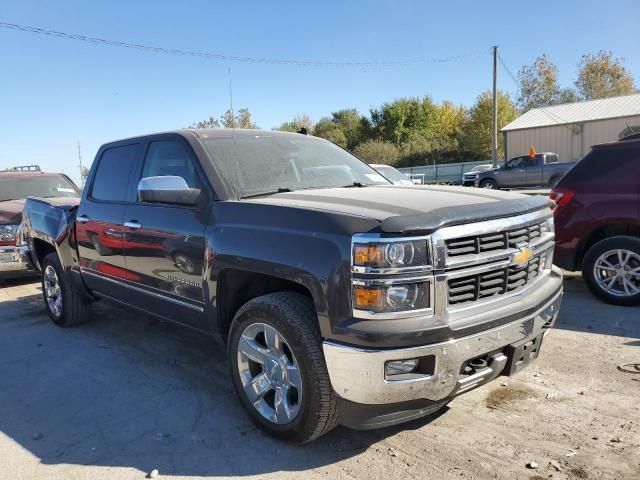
{"type": "Point", "coordinates": [513, 174]}
{"type": "Point", "coordinates": [164, 245]}
{"type": "Point", "coordinates": [99, 220]}
{"type": "Point", "coordinates": [533, 167]}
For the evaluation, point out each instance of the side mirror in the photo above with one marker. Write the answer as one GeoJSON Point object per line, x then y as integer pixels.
{"type": "Point", "coordinates": [167, 189]}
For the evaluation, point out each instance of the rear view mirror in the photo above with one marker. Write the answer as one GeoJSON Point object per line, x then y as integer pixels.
{"type": "Point", "coordinates": [167, 189]}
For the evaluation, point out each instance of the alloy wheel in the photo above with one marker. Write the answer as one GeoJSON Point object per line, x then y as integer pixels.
{"type": "Point", "coordinates": [52, 291]}
{"type": "Point", "coordinates": [617, 272]}
{"type": "Point", "coordinates": [269, 373]}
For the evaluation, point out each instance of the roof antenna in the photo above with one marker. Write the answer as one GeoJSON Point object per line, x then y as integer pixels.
{"type": "Point", "coordinates": [233, 130]}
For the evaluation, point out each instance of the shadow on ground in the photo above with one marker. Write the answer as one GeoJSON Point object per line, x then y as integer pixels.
{"type": "Point", "coordinates": [583, 312]}
{"type": "Point", "coordinates": [126, 390]}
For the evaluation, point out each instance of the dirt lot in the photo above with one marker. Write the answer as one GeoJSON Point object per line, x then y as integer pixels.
{"type": "Point", "coordinates": [126, 394]}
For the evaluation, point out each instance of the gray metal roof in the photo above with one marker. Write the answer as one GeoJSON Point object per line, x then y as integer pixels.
{"type": "Point", "coordinates": [615, 107]}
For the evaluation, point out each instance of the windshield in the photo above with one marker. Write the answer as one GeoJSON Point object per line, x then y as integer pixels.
{"type": "Point", "coordinates": [23, 186]}
{"type": "Point", "coordinates": [393, 175]}
{"type": "Point", "coordinates": [260, 163]}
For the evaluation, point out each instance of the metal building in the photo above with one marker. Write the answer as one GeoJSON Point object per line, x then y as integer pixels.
{"type": "Point", "coordinates": [571, 128]}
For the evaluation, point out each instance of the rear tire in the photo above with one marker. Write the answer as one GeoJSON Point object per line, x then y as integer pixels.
{"type": "Point", "coordinates": [554, 180]}
{"type": "Point", "coordinates": [489, 184]}
{"type": "Point", "coordinates": [254, 359]}
{"type": "Point", "coordinates": [64, 305]}
{"type": "Point", "coordinates": [611, 270]}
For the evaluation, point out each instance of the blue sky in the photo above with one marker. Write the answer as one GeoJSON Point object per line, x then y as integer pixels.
{"type": "Point", "coordinates": [56, 92]}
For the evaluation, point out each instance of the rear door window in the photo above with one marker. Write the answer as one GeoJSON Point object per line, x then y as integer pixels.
{"type": "Point", "coordinates": [612, 166]}
{"type": "Point", "coordinates": [112, 176]}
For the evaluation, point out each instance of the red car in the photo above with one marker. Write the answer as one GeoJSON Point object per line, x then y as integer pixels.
{"type": "Point", "coordinates": [597, 220]}
{"type": "Point", "coordinates": [15, 186]}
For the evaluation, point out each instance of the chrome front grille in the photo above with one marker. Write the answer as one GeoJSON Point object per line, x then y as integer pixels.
{"type": "Point", "coordinates": [498, 281]}
{"type": "Point", "coordinates": [491, 242]}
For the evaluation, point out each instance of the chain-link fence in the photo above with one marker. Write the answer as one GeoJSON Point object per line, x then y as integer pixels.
{"type": "Point", "coordinates": [449, 173]}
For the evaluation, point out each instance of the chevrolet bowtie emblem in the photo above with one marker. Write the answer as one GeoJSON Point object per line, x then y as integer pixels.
{"type": "Point", "coordinates": [523, 256]}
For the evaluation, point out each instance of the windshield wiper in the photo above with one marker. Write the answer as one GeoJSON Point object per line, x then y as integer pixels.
{"type": "Point", "coordinates": [269, 192]}
{"type": "Point", "coordinates": [355, 184]}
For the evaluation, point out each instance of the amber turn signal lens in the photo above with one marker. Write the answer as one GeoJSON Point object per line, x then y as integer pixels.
{"type": "Point", "coordinates": [366, 298]}
{"type": "Point", "coordinates": [368, 254]}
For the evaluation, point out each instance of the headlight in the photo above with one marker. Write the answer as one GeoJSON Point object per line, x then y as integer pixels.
{"type": "Point", "coordinates": [390, 254]}
{"type": "Point", "coordinates": [8, 233]}
{"type": "Point", "coordinates": [548, 226]}
{"type": "Point", "coordinates": [391, 298]}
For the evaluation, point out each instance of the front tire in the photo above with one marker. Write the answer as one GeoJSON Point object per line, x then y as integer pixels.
{"type": "Point", "coordinates": [64, 305]}
{"type": "Point", "coordinates": [278, 367]}
{"type": "Point", "coordinates": [611, 270]}
{"type": "Point", "coordinates": [489, 184]}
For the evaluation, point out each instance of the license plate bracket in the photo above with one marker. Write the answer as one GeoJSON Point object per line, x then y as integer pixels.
{"type": "Point", "coordinates": [522, 354]}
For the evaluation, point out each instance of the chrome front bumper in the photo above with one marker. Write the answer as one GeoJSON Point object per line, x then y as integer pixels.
{"type": "Point", "coordinates": [13, 259]}
{"type": "Point", "coordinates": [358, 374]}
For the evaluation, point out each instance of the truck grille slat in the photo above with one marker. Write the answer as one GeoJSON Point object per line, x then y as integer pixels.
{"type": "Point", "coordinates": [483, 285]}
{"type": "Point", "coordinates": [492, 242]}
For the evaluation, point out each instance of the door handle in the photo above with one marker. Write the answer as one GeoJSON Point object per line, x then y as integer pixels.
{"type": "Point", "coordinates": [133, 225]}
{"type": "Point", "coordinates": [82, 219]}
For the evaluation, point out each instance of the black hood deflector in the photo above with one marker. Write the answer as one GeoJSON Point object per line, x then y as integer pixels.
{"type": "Point", "coordinates": [426, 223]}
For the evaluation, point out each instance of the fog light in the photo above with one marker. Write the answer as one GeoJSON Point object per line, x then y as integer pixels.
{"type": "Point", "coordinates": [399, 367]}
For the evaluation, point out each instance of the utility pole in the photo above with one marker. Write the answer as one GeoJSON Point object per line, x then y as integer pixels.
{"type": "Point", "coordinates": [81, 169]}
{"type": "Point", "coordinates": [494, 129]}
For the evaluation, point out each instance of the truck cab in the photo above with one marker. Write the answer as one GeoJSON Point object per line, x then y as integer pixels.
{"type": "Point", "coordinates": [542, 169]}
{"type": "Point", "coordinates": [339, 297]}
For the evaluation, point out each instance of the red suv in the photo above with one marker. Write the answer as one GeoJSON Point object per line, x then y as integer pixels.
{"type": "Point", "coordinates": [598, 220]}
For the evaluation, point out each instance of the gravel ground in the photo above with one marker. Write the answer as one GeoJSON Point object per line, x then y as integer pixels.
{"type": "Point", "coordinates": [126, 394]}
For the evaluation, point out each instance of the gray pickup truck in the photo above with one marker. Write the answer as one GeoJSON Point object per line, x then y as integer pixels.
{"type": "Point", "coordinates": [339, 301]}
{"type": "Point", "coordinates": [541, 170]}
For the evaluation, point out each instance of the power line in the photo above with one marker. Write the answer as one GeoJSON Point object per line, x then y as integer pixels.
{"type": "Point", "coordinates": [233, 58]}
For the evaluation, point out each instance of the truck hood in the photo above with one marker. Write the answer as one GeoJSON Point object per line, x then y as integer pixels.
{"type": "Point", "coordinates": [407, 209]}
{"type": "Point", "coordinates": [11, 212]}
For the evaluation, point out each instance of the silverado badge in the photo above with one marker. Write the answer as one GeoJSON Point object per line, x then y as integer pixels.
{"type": "Point", "coordinates": [523, 256]}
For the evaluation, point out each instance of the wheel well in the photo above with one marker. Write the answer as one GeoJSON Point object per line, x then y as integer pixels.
{"type": "Point", "coordinates": [237, 287]}
{"type": "Point", "coordinates": [602, 233]}
{"type": "Point", "coordinates": [42, 249]}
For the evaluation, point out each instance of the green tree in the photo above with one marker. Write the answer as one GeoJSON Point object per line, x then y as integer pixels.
{"type": "Point", "coordinates": [538, 84]}
{"type": "Point", "coordinates": [377, 151]}
{"type": "Point", "coordinates": [346, 128]}
{"type": "Point", "coordinates": [350, 122]}
{"type": "Point", "coordinates": [477, 135]}
{"type": "Point", "coordinates": [242, 119]}
{"type": "Point", "coordinates": [327, 129]}
{"type": "Point", "coordinates": [448, 124]}
{"type": "Point", "coordinates": [298, 122]}
{"type": "Point", "coordinates": [600, 76]}
{"type": "Point", "coordinates": [567, 95]}
{"type": "Point", "coordinates": [209, 123]}
{"type": "Point", "coordinates": [405, 119]}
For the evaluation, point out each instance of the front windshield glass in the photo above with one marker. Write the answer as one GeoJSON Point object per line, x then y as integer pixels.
{"type": "Point", "coordinates": [393, 175]}
{"type": "Point", "coordinates": [260, 163]}
{"type": "Point", "coordinates": [22, 186]}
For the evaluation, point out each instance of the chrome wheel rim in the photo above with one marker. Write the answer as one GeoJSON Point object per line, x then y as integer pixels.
{"type": "Point", "coordinates": [269, 373]}
{"type": "Point", "coordinates": [52, 292]}
{"type": "Point", "coordinates": [184, 263]}
{"type": "Point", "coordinates": [617, 272]}
{"type": "Point", "coordinates": [488, 185]}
